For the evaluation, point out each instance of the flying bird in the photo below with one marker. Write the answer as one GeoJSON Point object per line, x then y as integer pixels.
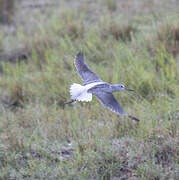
{"type": "Point", "coordinates": [93, 85]}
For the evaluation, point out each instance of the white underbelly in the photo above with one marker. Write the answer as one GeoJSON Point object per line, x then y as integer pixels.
{"type": "Point", "coordinates": [80, 93]}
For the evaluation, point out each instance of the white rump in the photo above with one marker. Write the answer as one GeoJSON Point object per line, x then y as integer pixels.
{"type": "Point", "coordinates": [79, 92]}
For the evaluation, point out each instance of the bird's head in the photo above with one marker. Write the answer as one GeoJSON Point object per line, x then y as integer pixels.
{"type": "Point", "coordinates": [122, 87]}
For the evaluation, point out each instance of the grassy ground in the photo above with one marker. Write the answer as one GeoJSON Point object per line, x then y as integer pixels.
{"type": "Point", "coordinates": [40, 139]}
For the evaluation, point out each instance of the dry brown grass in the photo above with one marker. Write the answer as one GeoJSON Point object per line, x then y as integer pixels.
{"type": "Point", "coordinates": [168, 35]}
{"type": "Point", "coordinates": [75, 31]}
{"type": "Point", "coordinates": [119, 32]}
{"type": "Point", "coordinates": [69, 27]}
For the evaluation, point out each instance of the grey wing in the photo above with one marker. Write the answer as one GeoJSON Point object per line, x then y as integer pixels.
{"type": "Point", "coordinates": [84, 71]}
{"type": "Point", "coordinates": [108, 100]}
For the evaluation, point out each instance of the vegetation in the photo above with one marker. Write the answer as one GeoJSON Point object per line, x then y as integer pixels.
{"type": "Point", "coordinates": [42, 139]}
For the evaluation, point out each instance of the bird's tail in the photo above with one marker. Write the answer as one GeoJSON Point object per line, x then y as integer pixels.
{"type": "Point", "coordinates": [79, 93]}
{"type": "Point", "coordinates": [75, 90]}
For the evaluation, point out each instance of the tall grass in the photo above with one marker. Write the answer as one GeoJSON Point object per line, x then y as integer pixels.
{"type": "Point", "coordinates": [39, 138]}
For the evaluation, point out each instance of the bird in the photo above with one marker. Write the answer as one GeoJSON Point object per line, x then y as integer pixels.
{"type": "Point", "coordinates": [94, 85]}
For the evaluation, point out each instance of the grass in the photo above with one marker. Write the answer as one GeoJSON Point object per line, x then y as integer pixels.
{"type": "Point", "coordinates": [40, 139]}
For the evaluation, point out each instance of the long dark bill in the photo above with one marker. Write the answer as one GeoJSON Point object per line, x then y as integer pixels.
{"type": "Point", "coordinates": [129, 89]}
{"type": "Point", "coordinates": [133, 118]}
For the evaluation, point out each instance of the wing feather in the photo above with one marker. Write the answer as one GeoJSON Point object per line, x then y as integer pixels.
{"type": "Point", "coordinates": [108, 100]}
{"type": "Point", "coordinates": [84, 71]}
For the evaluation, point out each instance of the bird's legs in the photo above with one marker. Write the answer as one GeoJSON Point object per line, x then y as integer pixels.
{"type": "Point", "coordinates": [69, 101]}
{"type": "Point", "coordinates": [133, 118]}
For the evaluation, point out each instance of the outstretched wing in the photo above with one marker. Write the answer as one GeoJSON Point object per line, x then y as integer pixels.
{"type": "Point", "coordinates": [84, 71]}
{"type": "Point", "coordinates": [108, 100]}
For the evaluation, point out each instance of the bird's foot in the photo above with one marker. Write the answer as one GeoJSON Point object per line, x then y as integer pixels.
{"type": "Point", "coordinates": [69, 101]}
{"type": "Point", "coordinates": [133, 118]}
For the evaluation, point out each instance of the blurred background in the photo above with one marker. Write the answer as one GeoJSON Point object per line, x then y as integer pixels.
{"type": "Point", "coordinates": [133, 42]}
{"type": "Point", "coordinates": [30, 16]}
